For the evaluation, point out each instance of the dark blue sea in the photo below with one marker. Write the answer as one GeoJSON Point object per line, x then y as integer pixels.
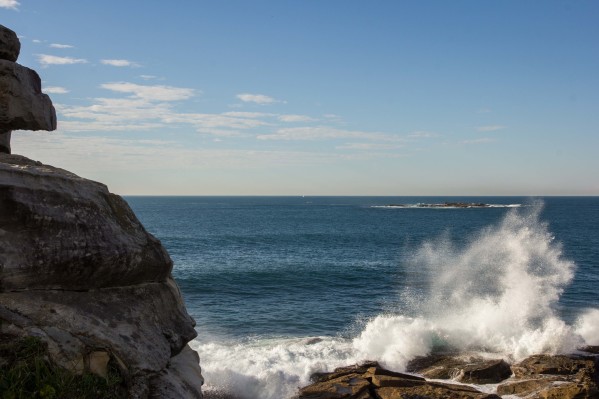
{"type": "Point", "coordinates": [282, 287]}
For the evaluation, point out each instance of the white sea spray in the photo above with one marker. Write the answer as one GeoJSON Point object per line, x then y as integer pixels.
{"type": "Point", "coordinates": [496, 294]}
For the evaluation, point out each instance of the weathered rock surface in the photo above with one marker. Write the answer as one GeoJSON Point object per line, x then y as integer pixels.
{"type": "Point", "coordinates": [59, 231]}
{"type": "Point", "coordinates": [180, 376]}
{"type": "Point", "coordinates": [5, 141]}
{"type": "Point", "coordinates": [466, 369]}
{"type": "Point", "coordinates": [537, 377]}
{"type": "Point", "coordinates": [373, 382]}
{"type": "Point", "coordinates": [10, 46]}
{"type": "Point", "coordinates": [23, 106]}
{"type": "Point", "coordinates": [555, 377]}
{"type": "Point", "coordinates": [78, 270]}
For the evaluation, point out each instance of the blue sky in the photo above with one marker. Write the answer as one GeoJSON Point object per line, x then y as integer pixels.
{"type": "Point", "coordinates": [317, 97]}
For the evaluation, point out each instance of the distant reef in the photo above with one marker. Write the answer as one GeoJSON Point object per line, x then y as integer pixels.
{"type": "Point", "coordinates": [444, 205]}
{"type": "Point", "coordinates": [78, 271]}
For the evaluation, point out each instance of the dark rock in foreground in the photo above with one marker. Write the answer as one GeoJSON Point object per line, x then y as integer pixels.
{"type": "Point", "coordinates": [79, 271]}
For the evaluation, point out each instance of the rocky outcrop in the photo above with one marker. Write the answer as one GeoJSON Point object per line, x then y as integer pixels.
{"type": "Point", "coordinates": [537, 377]}
{"type": "Point", "coordinates": [77, 235]}
{"type": "Point", "coordinates": [554, 377]}
{"type": "Point", "coordinates": [370, 381]}
{"type": "Point", "coordinates": [79, 271]}
{"type": "Point", "coordinates": [23, 106]}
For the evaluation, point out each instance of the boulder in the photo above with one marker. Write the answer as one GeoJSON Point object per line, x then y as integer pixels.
{"type": "Point", "coordinates": [10, 46]}
{"type": "Point", "coordinates": [23, 106]}
{"type": "Point", "coordinates": [62, 232]}
{"type": "Point", "coordinates": [439, 366]}
{"type": "Point", "coordinates": [487, 372]}
{"type": "Point", "coordinates": [463, 368]}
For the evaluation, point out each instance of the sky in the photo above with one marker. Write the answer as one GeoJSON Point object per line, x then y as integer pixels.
{"type": "Point", "coordinates": [336, 97]}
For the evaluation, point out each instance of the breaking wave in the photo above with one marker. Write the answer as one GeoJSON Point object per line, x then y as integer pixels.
{"type": "Point", "coordinates": [497, 294]}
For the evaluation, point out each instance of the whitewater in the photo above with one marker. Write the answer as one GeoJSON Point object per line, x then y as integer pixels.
{"type": "Point", "coordinates": [494, 292]}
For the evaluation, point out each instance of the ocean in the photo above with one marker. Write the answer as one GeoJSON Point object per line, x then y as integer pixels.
{"type": "Point", "coordinates": [282, 287]}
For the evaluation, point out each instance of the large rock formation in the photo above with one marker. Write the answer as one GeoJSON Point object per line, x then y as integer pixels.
{"type": "Point", "coordinates": [78, 270]}
{"type": "Point", "coordinates": [23, 106]}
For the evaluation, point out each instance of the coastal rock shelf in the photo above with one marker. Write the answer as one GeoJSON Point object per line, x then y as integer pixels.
{"type": "Point", "coordinates": [537, 377]}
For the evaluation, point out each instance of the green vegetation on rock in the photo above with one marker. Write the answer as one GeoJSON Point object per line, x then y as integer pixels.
{"type": "Point", "coordinates": [27, 372]}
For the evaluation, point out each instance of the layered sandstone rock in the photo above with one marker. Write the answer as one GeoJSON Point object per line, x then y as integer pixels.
{"type": "Point", "coordinates": [78, 270]}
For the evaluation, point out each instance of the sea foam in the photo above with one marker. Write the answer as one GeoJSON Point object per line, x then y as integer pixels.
{"type": "Point", "coordinates": [496, 294]}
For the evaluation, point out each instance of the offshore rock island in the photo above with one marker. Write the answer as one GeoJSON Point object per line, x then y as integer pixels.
{"type": "Point", "coordinates": [78, 271]}
{"type": "Point", "coordinates": [443, 205]}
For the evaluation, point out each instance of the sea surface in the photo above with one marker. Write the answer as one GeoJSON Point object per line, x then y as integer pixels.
{"type": "Point", "coordinates": [281, 287]}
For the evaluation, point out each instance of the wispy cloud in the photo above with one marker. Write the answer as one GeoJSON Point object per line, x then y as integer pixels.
{"type": "Point", "coordinates": [120, 63]}
{"type": "Point", "coordinates": [325, 133]}
{"type": "Point", "coordinates": [151, 93]}
{"type": "Point", "coordinates": [55, 90]}
{"type": "Point", "coordinates": [256, 98]}
{"type": "Point", "coordinates": [422, 135]}
{"type": "Point", "coordinates": [46, 60]}
{"type": "Point", "coordinates": [489, 128]}
{"type": "Point", "coordinates": [148, 77]}
{"type": "Point", "coordinates": [58, 45]}
{"type": "Point", "coordinates": [10, 4]}
{"type": "Point", "coordinates": [369, 146]}
{"type": "Point", "coordinates": [482, 140]}
{"type": "Point", "coordinates": [295, 118]}
{"type": "Point", "coordinates": [36, 41]}
{"type": "Point", "coordinates": [93, 153]}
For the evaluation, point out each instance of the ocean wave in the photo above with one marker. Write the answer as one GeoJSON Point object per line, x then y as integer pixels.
{"type": "Point", "coordinates": [497, 295]}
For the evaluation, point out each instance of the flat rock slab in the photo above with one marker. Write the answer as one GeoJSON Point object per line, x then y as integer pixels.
{"type": "Point", "coordinates": [60, 231]}
{"type": "Point", "coordinates": [23, 106]}
{"type": "Point", "coordinates": [554, 365]}
{"type": "Point", "coordinates": [10, 46]}
{"type": "Point", "coordinates": [348, 386]}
